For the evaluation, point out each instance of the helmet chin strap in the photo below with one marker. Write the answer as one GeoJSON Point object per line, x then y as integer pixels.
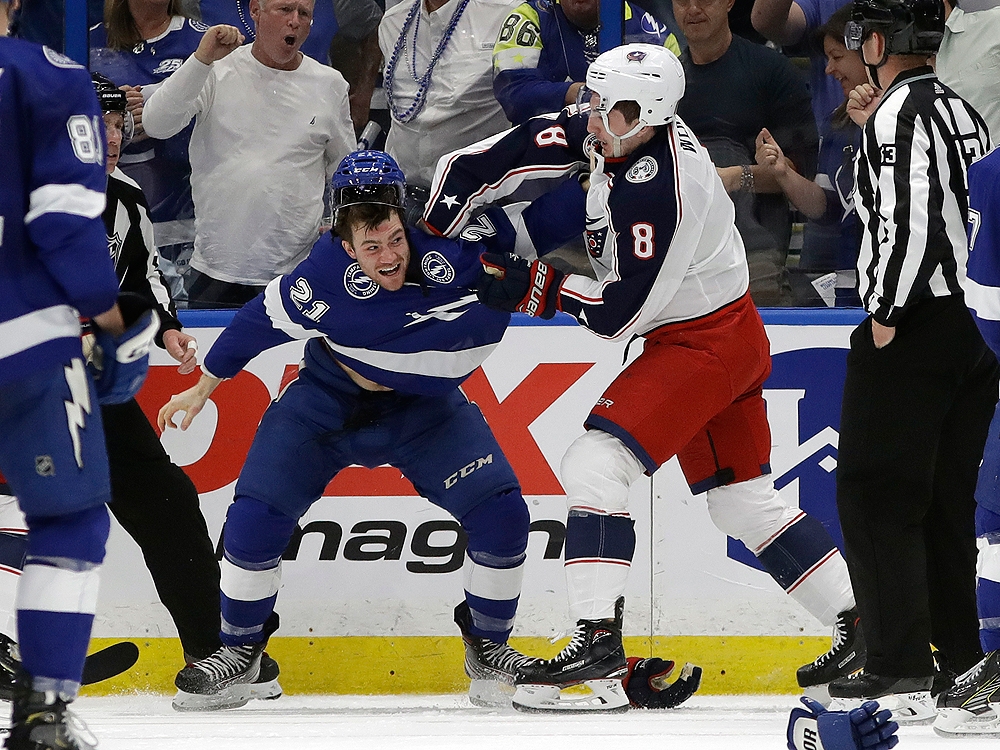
{"type": "Point", "coordinates": [872, 68]}
{"type": "Point", "coordinates": [616, 140]}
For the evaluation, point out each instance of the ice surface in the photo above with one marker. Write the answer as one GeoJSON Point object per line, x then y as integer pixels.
{"type": "Point", "coordinates": [444, 722]}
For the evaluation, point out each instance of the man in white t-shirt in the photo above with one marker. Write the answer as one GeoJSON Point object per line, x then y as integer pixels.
{"type": "Point", "coordinates": [271, 125]}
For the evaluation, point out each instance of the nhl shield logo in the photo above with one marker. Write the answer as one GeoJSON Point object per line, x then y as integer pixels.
{"type": "Point", "coordinates": [436, 268]}
{"type": "Point", "coordinates": [358, 284]}
{"type": "Point", "coordinates": [643, 170]}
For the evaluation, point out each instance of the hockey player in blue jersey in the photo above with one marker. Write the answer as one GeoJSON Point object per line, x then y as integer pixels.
{"type": "Point", "coordinates": [392, 328]}
{"type": "Point", "coordinates": [54, 267]}
{"type": "Point", "coordinates": [972, 706]}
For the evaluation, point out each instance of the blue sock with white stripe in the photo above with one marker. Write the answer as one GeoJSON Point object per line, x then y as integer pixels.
{"type": "Point", "coordinates": [256, 535]}
{"type": "Point", "coordinates": [803, 559]}
{"type": "Point", "coordinates": [988, 578]}
{"type": "Point", "coordinates": [494, 564]}
{"type": "Point", "coordinates": [57, 596]}
{"type": "Point", "coordinates": [599, 551]}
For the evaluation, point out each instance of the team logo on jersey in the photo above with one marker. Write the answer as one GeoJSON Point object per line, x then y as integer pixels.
{"type": "Point", "coordinates": [636, 56]}
{"type": "Point", "coordinates": [60, 60]}
{"type": "Point", "coordinates": [437, 268]}
{"type": "Point", "coordinates": [590, 146]}
{"type": "Point", "coordinates": [358, 284]}
{"type": "Point", "coordinates": [651, 26]}
{"type": "Point", "coordinates": [115, 244]}
{"type": "Point", "coordinates": [197, 25]}
{"type": "Point", "coordinates": [643, 170]}
{"type": "Point", "coordinates": [168, 66]}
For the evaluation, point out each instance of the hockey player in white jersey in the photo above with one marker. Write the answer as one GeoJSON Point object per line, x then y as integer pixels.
{"type": "Point", "coordinates": [671, 269]}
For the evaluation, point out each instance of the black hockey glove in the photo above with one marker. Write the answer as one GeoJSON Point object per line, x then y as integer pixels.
{"type": "Point", "coordinates": [646, 683]}
{"type": "Point", "coordinates": [118, 364]}
{"type": "Point", "coordinates": [509, 282]}
{"type": "Point", "coordinates": [864, 728]}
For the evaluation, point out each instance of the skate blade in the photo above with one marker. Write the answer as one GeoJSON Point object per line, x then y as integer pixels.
{"type": "Point", "coordinates": [266, 691]}
{"type": "Point", "coordinates": [958, 723]}
{"type": "Point", "coordinates": [819, 693]}
{"type": "Point", "coordinates": [606, 696]}
{"type": "Point", "coordinates": [232, 697]}
{"type": "Point", "coordinates": [909, 709]}
{"type": "Point", "coordinates": [490, 694]}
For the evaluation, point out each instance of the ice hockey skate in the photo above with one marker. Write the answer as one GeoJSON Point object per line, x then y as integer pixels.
{"type": "Point", "coordinates": [972, 707]}
{"type": "Point", "coordinates": [908, 698]}
{"type": "Point", "coordinates": [491, 666]}
{"type": "Point", "coordinates": [847, 654]}
{"type": "Point", "coordinates": [594, 658]}
{"type": "Point", "coordinates": [42, 721]}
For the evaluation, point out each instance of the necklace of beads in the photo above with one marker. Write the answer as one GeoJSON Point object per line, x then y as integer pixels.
{"type": "Point", "coordinates": [423, 82]}
{"type": "Point", "coordinates": [250, 29]}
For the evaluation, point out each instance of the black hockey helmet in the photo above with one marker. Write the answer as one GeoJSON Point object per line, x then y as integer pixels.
{"type": "Point", "coordinates": [113, 99]}
{"type": "Point", "coordinates": [911, 27]}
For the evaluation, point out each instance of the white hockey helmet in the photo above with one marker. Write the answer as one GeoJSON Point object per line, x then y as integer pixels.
{"type": "Point", "coordinates": [649, 75]}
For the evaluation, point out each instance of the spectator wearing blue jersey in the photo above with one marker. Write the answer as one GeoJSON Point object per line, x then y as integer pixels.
{"type": "Point", "coordinates": [55, 267]}
{"type": "Point", "coordinates": [138, 46]}
{"type": "Point", "coordinates": [544, 47]}
{"type": "Point", "coordinates": [379, 384]}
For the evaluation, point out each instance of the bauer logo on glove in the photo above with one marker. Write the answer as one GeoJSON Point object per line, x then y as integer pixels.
{"type": "Point", "coordinates": [118, 364]}
{"type": "Point", "coordinates": [511, 283]}
{"type": "Point", "coordinates": [864, 728]}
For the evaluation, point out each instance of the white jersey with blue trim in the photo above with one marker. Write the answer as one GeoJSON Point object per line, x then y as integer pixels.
{"type": "Point", "coordinates": [982, 286]}
{"type": "Point", "coordinates": [54, 263]}
{"type": "Point", "coordinates": [660, 228]}
{"type": "Point", "coordinates": [425, 338]}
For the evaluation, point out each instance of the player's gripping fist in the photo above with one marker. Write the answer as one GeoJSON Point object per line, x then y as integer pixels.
{"type": "Point", "coordinates": [864, 728]}
{"type": "Point", "coordinates": [511, 283]}
{"type": "Point", "coordinates": [118, 364]}
{"type": "Point", "coordinates": [647, 686]}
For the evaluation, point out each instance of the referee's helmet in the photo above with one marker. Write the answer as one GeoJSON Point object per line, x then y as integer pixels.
{"type": "Point", "coordinates": [911, 27]}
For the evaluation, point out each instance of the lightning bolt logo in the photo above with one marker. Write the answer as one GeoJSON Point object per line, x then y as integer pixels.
{"type": "Point", "coordinates": [78, 406]}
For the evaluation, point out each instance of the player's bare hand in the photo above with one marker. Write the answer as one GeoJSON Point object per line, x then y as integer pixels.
{"type": "Point", "coordinates": [770, 155]}
{"type": "Point", "coordinates": [191, 402]}
{"type": "Point", "coordinates": [182, 347]}
{"type": "Point", "coordinates": [218, 42]}
{"type": "Point", "coordinates": [862, 102]}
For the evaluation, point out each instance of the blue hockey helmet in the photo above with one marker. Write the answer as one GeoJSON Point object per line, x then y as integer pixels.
{"type": "Point", "coordinates": [367, 177]}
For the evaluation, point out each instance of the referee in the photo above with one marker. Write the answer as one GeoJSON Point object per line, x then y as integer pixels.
{"type": "Point", "coordinates": [921, 384]}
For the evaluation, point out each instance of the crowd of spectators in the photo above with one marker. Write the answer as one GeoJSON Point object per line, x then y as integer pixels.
{"type": "Point", "coordinates": [766, 87]}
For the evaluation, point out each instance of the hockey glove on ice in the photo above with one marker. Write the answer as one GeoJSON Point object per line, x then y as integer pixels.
{"type": "Point", "coordinates": [646, 683]}
{"type": "Point", "coordinates": [864, 728]}
{"type": "Point", "coordinates": [118, 364]}
{"type": "Point", "coordinates": [509, 282]}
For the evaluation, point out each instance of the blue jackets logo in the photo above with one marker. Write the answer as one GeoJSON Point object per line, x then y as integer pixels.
{"type": "Point", "coordinates": [643, 170]}
{"type": "Point", "coordinates": [358, 284]}
{"type": "Point", "coordinates": [436, 268]}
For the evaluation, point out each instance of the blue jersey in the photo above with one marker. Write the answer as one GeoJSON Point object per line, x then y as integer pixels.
{"type": "Point", "coordinates": [982, 290]}
{"type": "Point", "coordinates": [161, 167]}
{"type": "Point", "coordinates": [54, 263]}
{"type": "Point", "coordinates": [425, 338]}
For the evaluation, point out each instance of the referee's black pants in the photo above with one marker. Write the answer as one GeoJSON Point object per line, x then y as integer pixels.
{"type": "Point", "coordinates": [912, 430]}
{"type": "Point", "coordinates": [157, 504]}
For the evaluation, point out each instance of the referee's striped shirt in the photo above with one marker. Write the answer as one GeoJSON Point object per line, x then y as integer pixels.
{"type": "Point", "coordinates": [912, 194]}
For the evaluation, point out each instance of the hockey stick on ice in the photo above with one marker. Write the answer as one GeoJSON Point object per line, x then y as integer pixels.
{"type": "Point", "coordinates": [110, 662]}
